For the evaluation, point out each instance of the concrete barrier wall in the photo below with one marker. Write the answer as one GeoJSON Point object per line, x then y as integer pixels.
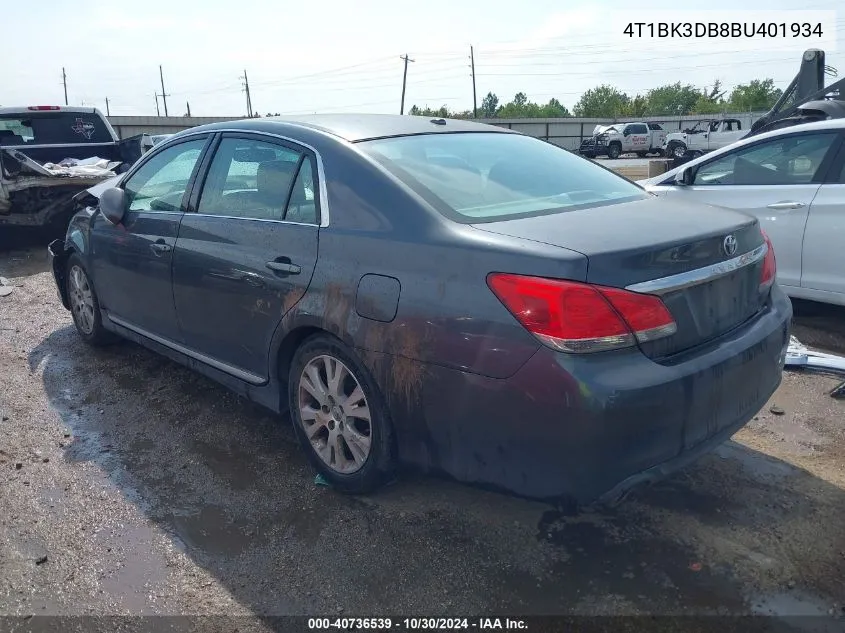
{"type": "Point", "coordinates": [566, 133]}
{"type": "Point", "coordinates": [127, 126]}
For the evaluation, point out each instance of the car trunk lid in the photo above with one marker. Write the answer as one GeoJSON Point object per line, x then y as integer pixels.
{"type": "Point", "coordinates": [704, 262]}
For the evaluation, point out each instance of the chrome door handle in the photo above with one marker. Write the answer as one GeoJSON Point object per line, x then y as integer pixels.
{"type": "Point", "coordinates": [160, 247]}
{"type": "Point", "coordinates": [284, 267]}
{"type": "Point", "coordinates": [785, 206]}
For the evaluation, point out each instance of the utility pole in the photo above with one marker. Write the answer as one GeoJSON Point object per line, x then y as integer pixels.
{"type": "Point", "coordinates": [164, 95]}
{"type": "Point", "coordinates": [472, 64]}
{"type": "Point", "coordinates": [404, 81]}
{"type": "Point", "coordinates": [158, 112]}
{"type": "Point", "coordinates": [188, 104]}
{"type": "Point", "coordinates": [249, 110]}
{"type": "Point", "coordinates": [107, 107]}
{"type": "Point", "coordinates": [64, 81]}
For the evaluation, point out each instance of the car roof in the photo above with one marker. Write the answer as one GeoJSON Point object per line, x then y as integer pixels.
{"type": "Point", "coordinates": [360, 127]}
{"type": "Point", "coordinates": [830, 124]}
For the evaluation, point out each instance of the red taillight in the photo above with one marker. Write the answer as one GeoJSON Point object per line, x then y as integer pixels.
{"type": "Point", "coordinates": [770, 267]}
{"type": "Point", "coordinates": [43, 108]}
{"type": "Point", "coordinates": [578, 317]}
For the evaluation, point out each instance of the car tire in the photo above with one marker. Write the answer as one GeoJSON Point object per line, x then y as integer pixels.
{"type": "Point", "coordinates": [353, 453]}
{"type": "Point", "coordinates": [614, 150]}
{"type": "Point", "coordinates": [84, 304]}
{"type": "Point", "coordinates": [642, 154]}
{"type": "Point", "coordinates": [589, 155]}
{"type": "Point", "coordinates": [677, 150]}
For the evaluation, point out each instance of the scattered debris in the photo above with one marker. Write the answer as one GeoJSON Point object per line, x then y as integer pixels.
{"type": "Point", "coordinates": [777, 410]}
{"type": "Point", "coordinates": [41, 560]}
{"type": "Point", "coordinates": [695, 566]}
{"type": "Point", "coordinates": [799, 355]}
{"type": "Point", "coordinates": [18, 465]}
{"type": "Point", "coordinates": [791, 584]}
{"type": "Point", "coordinates": [319, 480]}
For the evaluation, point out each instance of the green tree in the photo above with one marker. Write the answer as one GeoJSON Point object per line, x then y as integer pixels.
{"type": "Point", "coordinates": [489, 106]}
{"type": "Point", "coordinates": [441, 112]}
{"type": "Point", "coordinates": [672, 99]}
{"type": "Point", "coordinates": [637, 107]}
{"type": "Point", "coordinates": [755, 95]}
{"type": "Point", "coordinates": [602, 101]}
{"type": "Point", "coordinates": [703, 105]}
{"type": "Point", "coordinates": [554, 108]}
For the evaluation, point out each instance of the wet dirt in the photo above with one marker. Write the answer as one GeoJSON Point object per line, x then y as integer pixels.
{"type": "Point", "coordinates": [164, 493]}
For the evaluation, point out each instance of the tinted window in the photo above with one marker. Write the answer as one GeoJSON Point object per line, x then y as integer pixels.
{"type": "Point", "coordinates": [654, 126]}
{"type": "Point", "coordinates": [160, 183]}
{"type": "Point", "coordinates": [491, 176]}
{"type": "Point", "coordinates": [638, 129]}
{"type": "Point", "coordinates": [50, 128]}
{"type": "Point", "coordinates": [787, 160]}
{"type": "Point", "coordinates": [256, 179]}
{"type": "Point", "coordinates": [303, 205]}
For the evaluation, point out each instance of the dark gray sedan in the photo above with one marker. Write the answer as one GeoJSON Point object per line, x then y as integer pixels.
{"type": "Point", "coordinates": [437, 293]}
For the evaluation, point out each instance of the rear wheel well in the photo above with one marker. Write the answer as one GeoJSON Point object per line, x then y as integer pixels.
{"type": "Point", "coordinates": [287, 349]}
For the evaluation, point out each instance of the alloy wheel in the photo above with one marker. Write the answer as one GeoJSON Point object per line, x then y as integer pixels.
{"type": "Point", "coordinates": [334, 414]}
{"type": "Point", "coordinates": [81, 299]}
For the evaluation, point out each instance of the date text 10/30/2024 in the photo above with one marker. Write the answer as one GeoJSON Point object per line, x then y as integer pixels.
{"type": "Point", "coordinates": [416, 624]}
{"type": "Point", "coordinates": [747, 30]}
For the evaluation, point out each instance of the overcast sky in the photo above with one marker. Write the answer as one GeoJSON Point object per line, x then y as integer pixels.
{"type": "Point", "coordinates": [343, 55]}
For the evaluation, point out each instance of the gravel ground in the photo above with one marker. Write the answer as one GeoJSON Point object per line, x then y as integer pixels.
{"type": "Point", "coordinates": [130, 485]}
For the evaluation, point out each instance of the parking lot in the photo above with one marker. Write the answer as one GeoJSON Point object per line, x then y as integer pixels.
{"type": "Point", "coordinates": [129, 484]}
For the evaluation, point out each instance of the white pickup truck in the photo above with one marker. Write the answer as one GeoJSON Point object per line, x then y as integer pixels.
{"type": "Point", "coordinates": [703, 137]}
{"type": "Point", "coordinates": [624, 138]}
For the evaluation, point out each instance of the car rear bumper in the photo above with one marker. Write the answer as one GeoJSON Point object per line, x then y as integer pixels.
{"type": "Point", "coordinates": [594, 426]}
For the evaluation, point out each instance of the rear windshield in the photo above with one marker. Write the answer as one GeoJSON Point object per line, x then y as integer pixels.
{"type": "Point", "coordinates": [52, 128]}
{"type": "Point", "coordinates": [483, 177]}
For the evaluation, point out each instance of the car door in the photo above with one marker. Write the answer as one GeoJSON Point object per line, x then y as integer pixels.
{"type": "Point", "coordinates": [638, 138]}
{"type": "Point", "coordinates": [823, 267]}
{"type": "Point", "coordinates": [775, 180]}
{"type": "Point", "coordinates": [658, 135]}
{"type": "Point", "coordinates": [246, 250]}
{"type": "Point", "coordinates": [131, 262]}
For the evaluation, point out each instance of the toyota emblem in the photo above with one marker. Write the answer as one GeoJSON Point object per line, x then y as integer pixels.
{"type": "Point", "coordinates": [730, 244]}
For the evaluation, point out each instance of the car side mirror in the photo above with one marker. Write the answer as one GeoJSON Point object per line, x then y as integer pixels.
{"type": "Point", "coordinates": [683, 178]}
{"type": "Point", "coordinates": [113, 205]}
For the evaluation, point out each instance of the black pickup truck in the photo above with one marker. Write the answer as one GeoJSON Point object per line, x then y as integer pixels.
{"type": "Point", "coordinates": [46, 157]}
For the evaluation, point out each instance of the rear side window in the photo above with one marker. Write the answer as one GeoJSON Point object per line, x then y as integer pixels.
{"type": "Point", "coordinates": [53, 128]}
{"type": "Point", "coordinates": [640, 128]}
{"type": "Point", "coordinates": [488, 176]}
{"type": "Point", "coordinates": [259, 180]}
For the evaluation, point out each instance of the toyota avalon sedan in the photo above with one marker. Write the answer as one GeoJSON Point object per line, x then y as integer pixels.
{"type": "Point", "coordinates": [440, 294]}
